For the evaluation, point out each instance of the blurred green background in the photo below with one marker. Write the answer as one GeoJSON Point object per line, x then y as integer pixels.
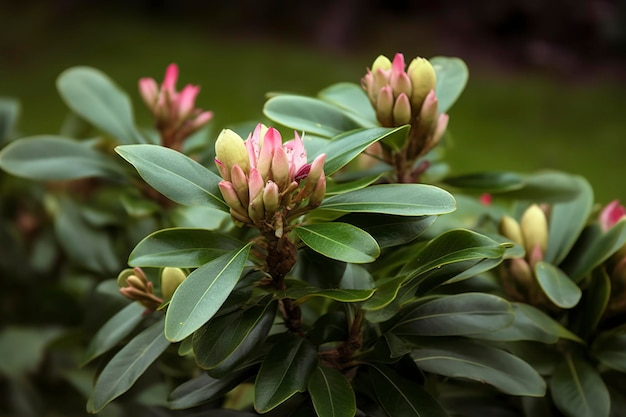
{"type": "Point", "coordinates": [545, 91]}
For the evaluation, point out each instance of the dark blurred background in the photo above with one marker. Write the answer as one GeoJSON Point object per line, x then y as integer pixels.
{"type": "Point", "coordinates": [546, 78]}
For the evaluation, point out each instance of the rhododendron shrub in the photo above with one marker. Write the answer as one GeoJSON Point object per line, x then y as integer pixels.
{"type": "Point", "coordinates": [329, 265]}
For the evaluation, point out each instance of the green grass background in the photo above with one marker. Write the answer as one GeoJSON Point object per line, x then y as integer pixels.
{"type": "Point", "coordinates": [505, 120]}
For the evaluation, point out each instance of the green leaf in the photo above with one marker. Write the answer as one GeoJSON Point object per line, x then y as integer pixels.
{"type": "Point", "coordinates": [176, 176]}
{"type": "Point", "coordinates": [285, 370]}
{"type": "Point", "coordinates": [452, 75]}
{"type": "Point", "coordinates": [487, 182]}
{"type": "Point", "coordinates": [533, 324]}
{"type": "Point", "coordinates": [610, 349]}
{"type": "Point", "coordinates": [50, 158]}
{"type": "Point", "coordinates": [448, 255]}
{"type": "Point", "coordinates": [9, 113]}
{"type": "Point", "coordinates": [309, 114]}
{"type": "Point", "coordinates": [331, 393]}
{"type": "Point", "coordinates": [333, 188]}
{"type": "Point", "coordinates": [590, 310]}
{"type": "Point", "coordinates": [302, 292]}
{"type": "Point", "coordinates": [181, 248]}
{"type": "Point", "coordinates": [340, 241]}
{"type": "Point", "coordinates": [385, 293]}
{"type": "Point", "coordinates": [390, 230]}
{"type": "Point", "coordinates": [22, 349]}
{"type": "Point", "coordinates": [352, 100]}
{"type": "Point", "coordinates": [396, 199]}
{"type": "Point", "coordinates": [226, 341]}
{"type": "Point", "coordinates": [567, 221]}
{"type": "Point", "coordinates": [128, 365]}
{"type": "Point", "coordinates": [458, 358]}
{"type": "Point", "coordinates": [400, 396]}
{"type": "Point", "coordinates": [456, 315]}
{"type": "Point", "coordinates": [347, 146]}
{"type": "Point", "coordinates": [547, 187]}
{"type": "Point", "coordinates": [114, 330]}
{"type": "Point", "coordinates": [203, 389]}
{"type": "Point", "coordinates": [578, 390]}
{"type": "Point", "coordinates": [557, 286]}
{"type": "Point", "coordinates": [204, 291]}
{"type": "Point", "coordinates": [93, 96]}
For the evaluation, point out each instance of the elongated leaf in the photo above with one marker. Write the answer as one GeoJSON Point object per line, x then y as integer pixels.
{"type": "Point", "coordinates": [333, 188]}
{"type": "Point", "coordinates": [204, 291]}
{"type": "Point", "coordinates": [340, 241]}
{"type": "Point", "coordinates": [567, 221]}
{"type": "Point", "coordinates": [588, 313]}
{"type": "Point", "coordinates": [487, 182]}
{"type": "Point", "coordinates": [176, 176]}
{"type": "Point", "coordinates": [93, 96]}
{"type": "Point", "coordinates": [128, 365]}
{"type": "Point", "coordinates": [456, 315]}
{"type": "Point", "coordinates": [301, 292]}
{"type": "Point", "coordinates": [390, 230]}
{"type": "Point", "coordinates": [396, 199]}
{"type": "Point", "coordinates": [578, 390]}
{"type": "Point", "coordinates": [202, 389]}
{"type": "Point", "coordinates": [114, 330]}
{"type": "Point", "coordinates": [285, 371]}
{"type": "Point", "coordinates": [557, 286]}
{"type": "Point", "coordinates": [547, 187]}
{"type": "Point", "coordinates": [50, 158]}
{"type": "Point", "coordinates": [345, 147]}
{"type": "Point", "coordinates": [595, 248]}
{"type": "Point", "coordinates": [351, 98]}
{"type": "Point", "coordinates": [610, 349]}
{"type": "Point", "coordinates": [531, 324]}
{"type": "Point", "coordinates": [385, 293]}
{"type": "Point", "coordinates": [402, 397]}
{"type": "Point", "coordinates": [331, 393]}
{"type": "Point", "coordinates": [309, 114]}
{"type": "Point", "coordinates": [226, 341]}
{"type": "Point", "coordinates": [181, 248]}
{"type": "Point", "coordinates": [452, 75]}
{"type": "Point", "coordinates": [467, 359]}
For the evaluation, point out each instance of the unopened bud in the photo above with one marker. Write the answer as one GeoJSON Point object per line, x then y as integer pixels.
{"type": "Point", "coordinates": [230, 197]}
{"type": "Point", "coordinates": [280, 168]}
{"type": "Point", "coordinates": [230, 150]}
{"type": "Point", "coordinates": [534, 227]}
{"type": "Point", "coordinates": [423, 79]}
{"type": "Point", "coordinates": [384, 107]}
{"type": "Point", "coordinates": [402, 110]}
{"type": "Point", "coordinates": [511, 229]}
{"type": "Point", "coordinates": [171, 278]}
{"type": "Point", "coordinates": [381, 62]}
{"type": "Point", "coordinates": [149, 91]}
{"type": "Point", "coordinates": [522, 275]}
{"type": "Point", "coordinates": [271, 197]}
{"type": "Point", "coordinates": [317, 196]}
{"type": "Point", "coordinates": [240, 184]}
{"type": "Point", "coordinates": [256, 208]}
{"type": "Point", "coordinates": [315, 173]}
{"type": "Point", "coordinates": [135, 282]}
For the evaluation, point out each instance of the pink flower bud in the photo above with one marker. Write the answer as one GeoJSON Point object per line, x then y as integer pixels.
{"type": "Point", "coordinates": [280, 168]}
{"type": "Point", "coordinates": [315, 173]}
{"type": "Point", "coordinates": [255, 184]}
{"type": "Point", "coordinates": [317, 196]}
{"type": "Point", "coordinates": [149, 91]}
{"type": "Point", "coordinates": [169, 82]}
{"type": "Point", "coordinates": [611, 214]}
{"type": "Point", "coordinates": [272, 143]}
{"type": "Point", "coordinates": [384, 107]}
{"type": "Point", "coordinates": [186, 101]}
{"type": "Point", "coordinates": [271, 197]}
{"type": "Point", "coordinates": [296, 154]}
{"type": "Point", "coordinates": [402, 110]}
{"type": "Point", "coordinates": [428, 113]}
{"type": "Point", "coordinates": [240, 184]}
{"type": "Point", "coordinates": [256, 208]}
{"type": "Point", "coordinates": [230, 197]}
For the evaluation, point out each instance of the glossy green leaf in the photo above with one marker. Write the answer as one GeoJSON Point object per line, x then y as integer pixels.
{"type": "Point", "coordinates": [128, 365]}
{"type": "Point", "coordinates": [333, 188]}
{"type": "Point", "coordinates": [589, 312]}
{"type": "Point", "coordinates": [385, 293]}
{"type": "Point", "coordinates": [93, 96]}
{"type": "Point", "coordinates": [176, 176]}
{"type": "Point", "coordinates": [331, 393]}
{"type": "Point", "coordinates": [351, 98]}
{"type": "Point", "coordinates": [226, 341]}
{"type": "Point", "coordinates": [448, 255]}
{"type": "Point", "coordinates": [114, 330]}
{"type": "Point", "coordinates": [557, 286]}
{"type": "Point", "coordinates": [578, 390]}
{"type": "Point", "coordinates": [309, 115]}
{"type": "Point", "coordinates": [50, 158]}
{"type": "Point", "coordinates": [396, 199]}
{"type": "Point", "coordinates": [302, 292]}
{"type": "Point", "coordinates": [610, 349]}
{"type": "Point", "coordinates": [347, 146]}
{"type": "Point", "coordinates": [390, 230]}
{"type": "Point", "coordinates": [567, 220]}
{"type": "Point", "coordinates": [452, 75]}
{"type": "Point", "coordinates": [285, 371]}
{"type": "Point", "coordinates": [204, 291]}
{"type": "Point", "coordinates": [9, 113]}
{"type": "Point", "coordinates": [400, 396]}
{"type": "Point", "coordinates": [487, 182]}
{"type": "Point", "coordinates": [466, 359]}
{"type": "Point", "coordinates": [547, 187]}
{"type": "Point", "coordinates": [181, 248]}
{"type": "Point", "coordinates": [340, 241]}
{"type": "Point", "coordinates": [202, 389]}
{"type": "Point", "coordinates": [456, 315]}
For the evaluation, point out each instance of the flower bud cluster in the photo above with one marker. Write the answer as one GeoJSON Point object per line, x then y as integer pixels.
{"type": "Point", "coordinates": [402, 97]}
{"type": "Point", "coordinates": [135, 286]}
{"type": "Point", "coordinates": [265, 181]}
{"type": "Point", "coordinates": [518, 277]}
{"type": "Point", "coordinates": [175, 114]}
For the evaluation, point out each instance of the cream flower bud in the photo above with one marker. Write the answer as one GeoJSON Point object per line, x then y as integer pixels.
{"type": "Point", "coordinates": [534, 226]}
{"type": "Point", "coordinates": [402, 110]}
{"type": "Point", "coordinates": [230, 150]}
{"type": "Point", "coordinates": [271, 197]}
{"type": "Point", "coordinates": [511, 229]}
{"type": "Point", "coordinates": [423, 80]}
{"type": "Point", "coordinates": [171, 278]}
{"type": "Point", "coordinates": [381, 62]}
